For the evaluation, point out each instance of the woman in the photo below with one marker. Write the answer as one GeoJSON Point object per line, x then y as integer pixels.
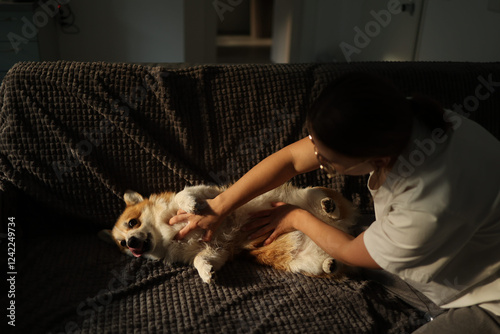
{"type": "Point", "coordinates": [435, 185]}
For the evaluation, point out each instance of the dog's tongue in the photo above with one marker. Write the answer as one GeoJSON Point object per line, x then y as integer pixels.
{"type": "Point", "coordinates": [137, 252]}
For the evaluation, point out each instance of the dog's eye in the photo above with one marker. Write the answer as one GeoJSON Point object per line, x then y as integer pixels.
{"type": "Point", "coordinates": [123, 243]}
{"type": "Point", "coordinates": [132, 223]}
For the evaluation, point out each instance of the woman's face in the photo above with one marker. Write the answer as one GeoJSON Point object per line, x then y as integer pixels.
{"type": "Point", "coordinates": [342, 164]}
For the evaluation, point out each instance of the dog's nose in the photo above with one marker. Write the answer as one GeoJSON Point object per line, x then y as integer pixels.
{"type": "Point", "coordinates": [133, 242]}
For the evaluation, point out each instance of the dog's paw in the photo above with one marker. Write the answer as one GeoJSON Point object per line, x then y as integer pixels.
{"type": "Point", "coordinates": [187, 202]}
{"type": "Point", "coordinates": [328, 205]}
{"type": "Point", "coordinates": [330, 266]}
{"type": "Point", "coordinates": [207, 274]}
{"type": "Point", "coordinates": [205, 269]}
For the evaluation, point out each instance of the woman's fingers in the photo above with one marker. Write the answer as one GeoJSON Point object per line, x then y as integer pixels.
{"type": "Point", "coordinates": [208, 236]}
{"type": "Point", "coordinates": [272, 237]}
{"type": "Point", "coordinates": [255, 223]}
{"type": "Point", "coordinates": [265, 221]}
{"type": "Point", "coordinates": [179, 218]}
{"type": "Point", "coordinates": [259, 214]}
{"type": "Point", "coordinates": [265, 228]}
{"type": "Point", "coordinates": [266, 213]}
{"type": "Point", "coordinates": [185, 230]}
{"type": "Point", "coordinates": [261, 232]}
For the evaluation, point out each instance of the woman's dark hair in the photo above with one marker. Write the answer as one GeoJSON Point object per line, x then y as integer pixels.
{"type": "Point", "coordinates": [364, 115]}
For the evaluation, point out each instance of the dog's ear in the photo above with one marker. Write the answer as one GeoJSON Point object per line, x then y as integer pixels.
{"type": "Point", "coordinates": [132, 197]}
{"type": "Point", "coordinates": [106, 236]}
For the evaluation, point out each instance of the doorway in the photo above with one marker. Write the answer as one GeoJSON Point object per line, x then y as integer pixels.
{"type": "Point", "coordinates": [244, 33]}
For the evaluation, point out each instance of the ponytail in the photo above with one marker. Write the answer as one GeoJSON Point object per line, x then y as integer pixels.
{"type": "Point", "coordinates": [428, 111]}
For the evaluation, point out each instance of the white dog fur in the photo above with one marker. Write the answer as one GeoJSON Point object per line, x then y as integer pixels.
{"type": "Point", "coordinates": [143, 230]}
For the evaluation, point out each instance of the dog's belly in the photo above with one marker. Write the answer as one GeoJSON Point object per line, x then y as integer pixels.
{"type": "Point", "coordinates": [292, 251]}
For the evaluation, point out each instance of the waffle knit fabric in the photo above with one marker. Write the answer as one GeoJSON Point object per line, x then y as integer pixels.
{"type": "Point", "coordinates": [74, 136]}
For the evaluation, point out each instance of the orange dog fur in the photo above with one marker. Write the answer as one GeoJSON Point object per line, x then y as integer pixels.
{"type": "Point", "coordinates": [143, 230]}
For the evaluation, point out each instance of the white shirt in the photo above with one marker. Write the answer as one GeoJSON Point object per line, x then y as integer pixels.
{"type": "Point", "coordinates": [438, 216]}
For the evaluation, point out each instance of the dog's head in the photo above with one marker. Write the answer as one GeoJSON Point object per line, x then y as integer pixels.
{"type": "Point", "coordinates": [137, 231]}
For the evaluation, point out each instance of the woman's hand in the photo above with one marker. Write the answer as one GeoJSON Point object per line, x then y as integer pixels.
{"type": "Point", "coordinates": [281, 219]}
{"type": "Point", "coordinates": [209, 221]}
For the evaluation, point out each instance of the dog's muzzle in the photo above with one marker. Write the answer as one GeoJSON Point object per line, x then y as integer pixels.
{"type": "Point", "coordinates": [138, 246]}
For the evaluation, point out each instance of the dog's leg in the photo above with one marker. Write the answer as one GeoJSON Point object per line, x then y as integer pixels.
{"type": "Point", "coordinates": [208, 261]}
{"type": "Point", "coordinates": [330, 266]}
{"type": "Point", "coordinates": [279, 254]}
{"type": "Point", "coordinates": [192, 199]}
{"type": "Point", "coordinates": [204, 268]}
{"type": "Point", "coordinates": [334, 209]}
{"type": "Point", "coordinates": [328, 206]}
{"type": "Point", "coordinates": [186, 201]}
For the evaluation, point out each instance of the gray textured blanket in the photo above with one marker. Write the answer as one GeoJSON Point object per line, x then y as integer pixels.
{"type": "Point", "coordinates": [75, 136]}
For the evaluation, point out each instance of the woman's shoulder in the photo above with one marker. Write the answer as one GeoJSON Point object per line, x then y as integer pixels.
{"type": "Point", "coordinates": [459, 173]}
{"type": "Point", "coordinates": [463, 147]}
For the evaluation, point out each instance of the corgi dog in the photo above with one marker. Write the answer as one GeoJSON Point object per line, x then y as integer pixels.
{"type": "Point", "coordinates": [142, 230]}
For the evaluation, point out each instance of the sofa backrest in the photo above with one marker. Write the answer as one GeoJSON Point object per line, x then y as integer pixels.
{"type": "Point", "coordinates": [74, 136]}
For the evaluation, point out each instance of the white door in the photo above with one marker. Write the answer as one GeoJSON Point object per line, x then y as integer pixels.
{"type": "Point", "coordinates": [387, 30]}
{"type": "Point", "coordinates": [345, 30]}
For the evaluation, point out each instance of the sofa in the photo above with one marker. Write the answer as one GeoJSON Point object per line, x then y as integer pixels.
{"type": "Point", "coordinates": [75, 136]}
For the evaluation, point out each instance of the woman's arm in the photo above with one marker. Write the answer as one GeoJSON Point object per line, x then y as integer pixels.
{"type": "Point", "coordinates": [285, 218]}
{"type": "Point", "coordinates": [338, 244]}
{"type": "Point", "coordinates": [270, 173]}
